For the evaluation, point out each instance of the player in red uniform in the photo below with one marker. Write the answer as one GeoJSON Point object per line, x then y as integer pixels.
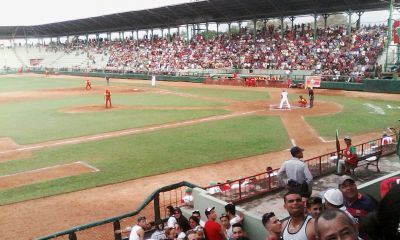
{"type": "Point", "coordinates": [88, 84]}
{"type": "Point", "coordinates": [302, 101]}
{"type": "Point", "coordinates": [107, 96]}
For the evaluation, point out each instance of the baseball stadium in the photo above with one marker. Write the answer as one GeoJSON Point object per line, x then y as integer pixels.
{"type": "Point", "coordinates": [111, 126]}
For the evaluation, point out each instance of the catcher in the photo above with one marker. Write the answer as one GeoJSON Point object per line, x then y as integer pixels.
{"type": "Point", "coordinates": [302, 101]}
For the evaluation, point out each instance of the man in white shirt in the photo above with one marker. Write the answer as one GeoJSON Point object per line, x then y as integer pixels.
{"type": "Point", "coordinates": [299, 177]}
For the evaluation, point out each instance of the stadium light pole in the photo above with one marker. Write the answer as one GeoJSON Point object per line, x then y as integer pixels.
{"type": "Point", "coordinates": [389, 33]}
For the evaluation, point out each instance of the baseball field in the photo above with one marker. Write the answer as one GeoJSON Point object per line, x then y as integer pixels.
{"type": "Point", "coordinates": [57, 138]}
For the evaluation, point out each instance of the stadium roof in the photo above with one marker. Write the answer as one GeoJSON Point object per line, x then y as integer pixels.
{"type": "Point", "coordinates": [222, 11]}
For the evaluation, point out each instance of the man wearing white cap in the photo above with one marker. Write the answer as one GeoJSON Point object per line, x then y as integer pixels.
{"type": "Point", "coordinates": [334, 199]}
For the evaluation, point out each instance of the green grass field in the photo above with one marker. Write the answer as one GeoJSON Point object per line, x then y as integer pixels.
{"type": "Point", "coordinates": [134, 156]}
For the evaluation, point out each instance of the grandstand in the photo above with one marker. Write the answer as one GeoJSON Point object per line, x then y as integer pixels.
{"type": "Point", "coordinates": [349, 56]}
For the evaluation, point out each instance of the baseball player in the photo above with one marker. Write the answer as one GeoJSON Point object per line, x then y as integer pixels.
{"type": "Point", "coordinates": [88, 84]}
{"type": "Point", "coordinates": [311, 95]}
{"type": "Point", "coordinates": [302, 101]}
{"type": "Point", "coordinates": [284, 100]}
{"type": "Point", "coordinates": [107, 97]}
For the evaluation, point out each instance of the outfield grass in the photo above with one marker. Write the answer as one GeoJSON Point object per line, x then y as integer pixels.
{"type": "Point", "coordinates": [146, 154]}
{"type": "Point", "coordinates": [356, 118]}
{"type": "Point", "coordinates": [41, 120]}
{"type": "Point", "coordinates": [26, 83]}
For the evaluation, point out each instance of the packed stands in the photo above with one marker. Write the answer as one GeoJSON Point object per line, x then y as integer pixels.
{"type": "Point", "coordinates": [334, 53]}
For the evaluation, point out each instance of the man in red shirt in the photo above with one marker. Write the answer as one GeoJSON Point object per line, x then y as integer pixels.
{"type": "Point", "coordinates": [212, 229]}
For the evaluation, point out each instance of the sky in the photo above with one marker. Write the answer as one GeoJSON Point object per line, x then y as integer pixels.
{"type": "Point", "coordinates": [29, 12]}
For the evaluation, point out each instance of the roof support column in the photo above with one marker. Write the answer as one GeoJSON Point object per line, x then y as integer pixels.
{"type": "Point", "coordinates": [349, 24]}
{"type": "Point", "coordinates": [292, 18]}
{"type": "Point", "coordinates": [282, 28]}
{"type": "Point", "coordinates": [229, 30]}
{"type": "Point", "coordinates": [169, 34]}
{"type": "Point", "coordinates": [315, 26]}
{"type": "Point", "coordinates": [254, 30]}
{"type": "Point", "coordinates": [325, 16]}
{"type": "Point", "coordinates": [187, 32]}
{"type": "Point", "coordinates": [123, 36]}
{"type": "Point", "coordinates": [206, 30]}
{"type": "Point", "coordinates": [152, 35]}
{"type": "Point", "coordinates": [178, 32]}
{"type": "Point", "coordinates": [162, 33]}
{"type": "Point", "coordinates": [217, 29]}
{"type": "Point", "coordinates": [137, 35]}
{"type": "Point", "coordinates": [240, 25]}
{"type": "Point", "coordinates": [109, 36]}
{"type": "Point", "coordinates": [359, 19]}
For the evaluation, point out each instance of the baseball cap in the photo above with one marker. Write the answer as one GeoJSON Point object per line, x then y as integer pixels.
{"type": "Point", "coordinates": [208, 210]}
{"type": "Point", "coordinates": [334, 196]}
{"type": "Point", "coordinates": [188, 190]}
{"type": "Point", "coordinates": [347, 138]}
{"type": "Point", "coordinates": [344, 178]}
{"type": "Point", "coordinates": [295, 150]}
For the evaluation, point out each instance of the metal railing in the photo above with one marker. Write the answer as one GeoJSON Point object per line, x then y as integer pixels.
{"type": "Point", "coordinates": [243, 189]}
{"type": "Point", "coordinates": [153, 207]}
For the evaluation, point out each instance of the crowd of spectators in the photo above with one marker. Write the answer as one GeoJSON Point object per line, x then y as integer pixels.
{"type": "Point", "coordinates": [333, 52]}
{"type": "Point", "coordinates": [342, 213]}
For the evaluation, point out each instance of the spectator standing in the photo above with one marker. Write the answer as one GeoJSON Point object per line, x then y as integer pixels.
{"type": "Point", "coordinates": [384, 222]}
{"type": "Point", "coordinates": [170, 233]}
{"type": "Point", "coordinates": [357, 204]}
{"type": "Point", "coordinates": [238, 232]}
{"type": "Point", "coordinates": [224, 219]}
{"type": "Point", "coordinates": [181, 220]}
{"type": "Point", "coordinates": [159, 233]}
{"type": "Point", "coordinates": [314, 206]}
{"type": "Point", "coordinates": [299, 226]}
{"type": "Point", "coordinates": [180, 234]}
{"type": "Point", "coordinates": [230, 210]}
{"type": "Point", "coordinates": [272, 225]}
{"type": "Point", "coordinates": [212, 229]}
{"type": "Point", "coordinates": [335, 224]}
{"type": "Point", "coordinates": [298, 175]}
{"type": "Point", "coordinates": [137, 231]}
{"type": "Point", "coordinates": [334, 199]}
{"type": "Point", "coordinates": [196, 213]}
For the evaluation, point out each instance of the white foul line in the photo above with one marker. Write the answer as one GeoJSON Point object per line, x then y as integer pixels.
{"type": "Point", "coordinates": [128, 132]}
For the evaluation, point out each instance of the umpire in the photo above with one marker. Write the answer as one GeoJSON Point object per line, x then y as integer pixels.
{"type": "Point", "coordinates": [298, 175]}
